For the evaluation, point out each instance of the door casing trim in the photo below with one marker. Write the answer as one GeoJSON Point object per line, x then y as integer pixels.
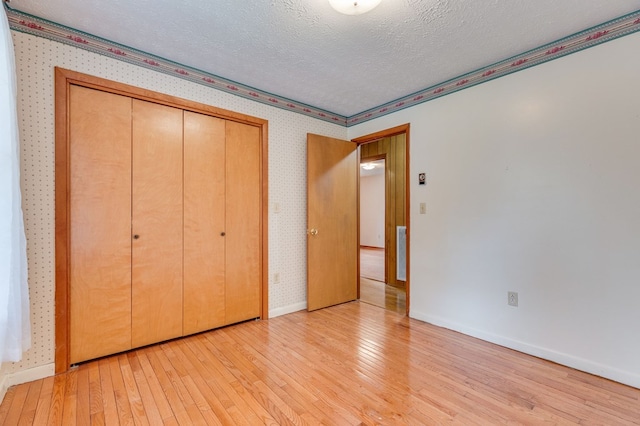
{"type": "Point", "coordinates": [404, 128]}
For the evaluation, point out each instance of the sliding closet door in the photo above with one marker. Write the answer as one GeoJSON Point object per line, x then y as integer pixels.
{"type": "Point", "coordinates": [100, 223]}
{"type": "Point", "coordinates": [156, 223]}
{"type": "Point", "coordinates": [243, 235]}
{"type": "Point", "coordinates": [204, 222]}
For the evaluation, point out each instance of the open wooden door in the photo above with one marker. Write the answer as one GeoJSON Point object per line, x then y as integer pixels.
{"type": "Point", "coordinates": [332, 221]}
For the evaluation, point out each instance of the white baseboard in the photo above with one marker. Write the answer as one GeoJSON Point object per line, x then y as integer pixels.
{"type": "Point", "coordinates": [3, 387]}
{"type": "Point", "coordinates": [24, 376]}
{"type": "Point", "coordinates": [577, 363]}
{"type": "Point", "coordinates": [287, 309]}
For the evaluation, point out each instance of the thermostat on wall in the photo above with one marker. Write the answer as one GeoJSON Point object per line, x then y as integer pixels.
{"type": "Point", "coordinates": [422, 178]}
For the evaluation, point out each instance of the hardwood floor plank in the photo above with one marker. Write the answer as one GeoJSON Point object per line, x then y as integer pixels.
{"type": "Point", "coordinates": [171, 421]}
{"type": "Point", "coordinates": [97, 419]}
{"type": "Point", "coordinates": [69, 413]}
{"type": "Point", "coordinates": [149, 407]}
{"type": "Point", "coordinates": [340, 346]}
{"type": "Point", "coordinates": [15, 410]}
{"type": "Point", "coordinates": [170, 392]}
{"type": "Point", "coordinates": [6, 404]}
{"type": "Point", "coordinates": [29, 408]}
{"type": "Point", "coordinates": [57, 399]}
{"type": "Point", "coordinates": [125, 416]}
{"type": "Point", "coordinates": [349, 364]}
{"type": "Point", "coordinates": [286, 384]}
{"type": "Point", "coordinates": [176, 371]}
{"type": "Point", "coordinates": [182, 355]}
{"type": "Point", "coordinates": [109, 406]}
{"type": "Point", "coordinates": [44, 402]}
{"type": "Point", "coordinates": [160, 399]}
{"type": "Point", "coordinates": [95, 390]}
{"type": "Point", "coordinates": [83, 399]}
{"type": "Point", "coordinates": [253, 412]}
{"type": "Point", "coordinates": [464, 394]}
{"type": "Point", "coordinates": [281, 412]}
{"type": "Point", "coordinates": [372, 263]}
{"type": "Point", "coordinates": [383, 295]}
{"type": "Point", "coordinates": [386, 396]}
{"type": "Point", "coordinates": [138, 411]}
{"type": "Point", "coordinates": [213, 397]}
{"type": "Point", "coordinates": [220, 401]}
{"type": "Point", "coordinates": [324, 372]}
{"type": "Point", "coordinates": [201, 402]}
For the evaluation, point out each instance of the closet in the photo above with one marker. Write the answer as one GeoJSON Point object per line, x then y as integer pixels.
{"type": "Point", "coordinates": [163, 218]}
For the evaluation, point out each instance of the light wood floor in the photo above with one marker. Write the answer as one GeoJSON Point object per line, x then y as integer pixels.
{"type": "Point", "coordinates": [350, 364]}
{"type": "Point", "coordinates": [372, 263]}
{"type": "Point", "coordinates": [383, 295]}
{"type": "Point", "coordinates": [373, 289]}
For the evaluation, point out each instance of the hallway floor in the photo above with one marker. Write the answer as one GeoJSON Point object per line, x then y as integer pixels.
{"type": "Point", "coordinates": [373, 289]}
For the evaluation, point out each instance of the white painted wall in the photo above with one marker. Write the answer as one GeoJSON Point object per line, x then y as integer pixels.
{"type": "Point", "coordinates": [372, 210]}
{"type": "Point", "coordinates": [532, 186]}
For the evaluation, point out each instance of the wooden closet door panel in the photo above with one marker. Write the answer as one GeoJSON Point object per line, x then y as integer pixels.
{"type": "Point", "coordinates": [243, 241]}
{"type": "Point", "coordinates": [204, 222]}
{"type": "Point", "coordinates": [157, 221]}
{"type": "Point", "coordinates": [100, 223]}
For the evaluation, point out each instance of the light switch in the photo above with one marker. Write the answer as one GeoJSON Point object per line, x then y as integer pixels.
{"type": "Point", "coordinates": [276, 207]}
{"type": "Point", "coordinates": [423, 208]}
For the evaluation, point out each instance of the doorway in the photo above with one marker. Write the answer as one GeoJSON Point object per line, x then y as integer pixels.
{"type": "Point", "coordinates": [333, 235]}
{"type": "Point", "coordinates": [384, 219]}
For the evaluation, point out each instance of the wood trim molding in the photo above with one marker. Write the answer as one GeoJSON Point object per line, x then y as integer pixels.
{"type": "Point", "coordinates": [63, 80]}
{"type": "Point", "coordinates": [73, 77]}
{"type": "Point", "coordinates": [264, 231]}
{"type": "Point", "coordinates": [373, 158]}
{"type": "Point", "coordinates": [407, 207]}
{"type": "Point", "coordinates": [61, 223]}
{"type": "Point", "coordinates": [359, 161]}
{"type": "Point", "coordinates": [403, 128]}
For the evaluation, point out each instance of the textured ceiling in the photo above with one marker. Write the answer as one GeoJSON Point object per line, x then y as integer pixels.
{"type": "Point", "coordinates": [305, 51]}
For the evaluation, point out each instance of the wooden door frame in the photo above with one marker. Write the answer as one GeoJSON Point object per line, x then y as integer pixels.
{"type": "Point", "coordinates": [63, 80]}
{"type": "Point", "coordinates": [376, 157]}
{"type": "Point", "coordinates": [398, 130]}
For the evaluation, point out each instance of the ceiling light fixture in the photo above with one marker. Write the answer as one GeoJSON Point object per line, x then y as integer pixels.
{"type": "Point", "coordinates": [354, 7]}
{"type": "Point", "coordinates": [368, 166]}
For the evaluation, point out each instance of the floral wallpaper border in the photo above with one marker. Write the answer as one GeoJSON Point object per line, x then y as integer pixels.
{"type": "Point", "coordinates": [30, 24]}
{"type": "Point", "coordinates": [613, 29]}
{"type": "Point", "coordinates": [607, 31]}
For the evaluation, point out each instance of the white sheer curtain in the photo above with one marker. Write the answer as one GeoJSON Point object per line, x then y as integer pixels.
{"type": "Point", "coordinates": [15, 328]}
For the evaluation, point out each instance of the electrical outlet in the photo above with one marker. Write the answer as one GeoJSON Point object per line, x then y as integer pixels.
{"type": "Point", "coordinates": [276, 277]}
{"type": "Point", "coordinates": [512, 298]}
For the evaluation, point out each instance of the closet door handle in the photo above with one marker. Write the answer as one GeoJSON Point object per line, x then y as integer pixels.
{"type": "Point", "coordinates": [222, 234]}
{"type": "Point", "coordinates": [136, 236]}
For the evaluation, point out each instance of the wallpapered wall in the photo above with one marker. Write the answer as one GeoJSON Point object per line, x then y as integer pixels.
{"type": "Point", "coordinates": [35, 61]}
